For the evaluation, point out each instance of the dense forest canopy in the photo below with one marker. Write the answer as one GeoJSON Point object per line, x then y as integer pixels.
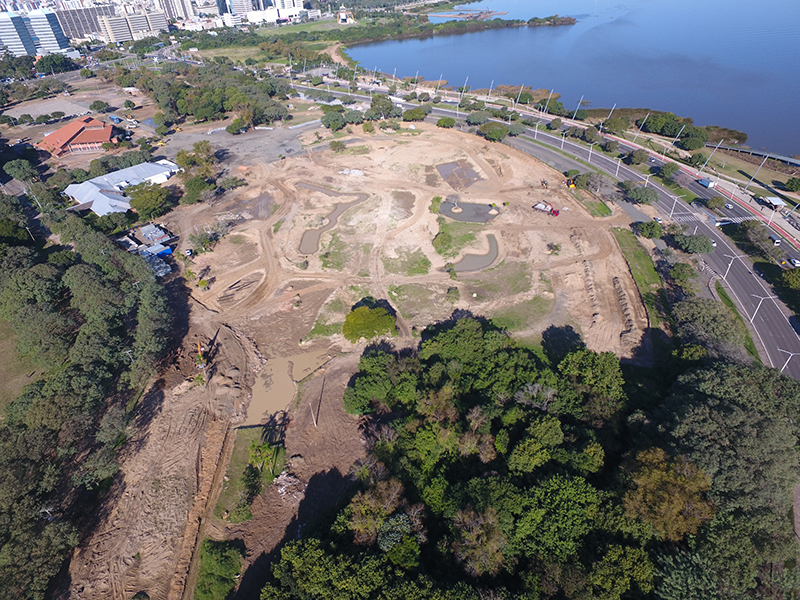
{"type": "Point", "coordinates": [95, 321]}
{"type": "Point", "coordinates": [495, 473]}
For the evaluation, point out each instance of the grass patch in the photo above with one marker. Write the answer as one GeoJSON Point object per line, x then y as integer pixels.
{"type": "Point", "coordinates": [277, 226]}
{"type": "Point", "coordinates": [233, 498]}
{"type": "Point", "coordinates": [14, 370]}
{"type": "Point", "coordinates": [525, 315]}
{"type": "Point", "coordinates": [726, 300]}
{"type": "Point", "coordinates": [507, 279]}
{"type": "Point", "coordinates": [334, 256]}
{"type": "Point", "coordinates": [597, 208]}
{"type": "Point", "coordinates": [644, 272]}
{"type": "Point", "coordinates": [436, 203]}
{"type": "Point", "coordinates": [321, 330]}
{"type": "Point", "coordinates": [356, 150]}
{"type": "Point", "coordinates": [220, 566]}
{"type": "Point", "coordinates": [453, 237]}
{"type": "Point", "coordinates": [408, 263]}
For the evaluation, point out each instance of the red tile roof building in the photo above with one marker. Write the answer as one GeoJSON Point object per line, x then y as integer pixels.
{"type": "Point", "coordinates": [82, 135]}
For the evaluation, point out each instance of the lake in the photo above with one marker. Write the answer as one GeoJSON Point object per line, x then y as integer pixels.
{"type": "Point", "coordinates": [730, 63]}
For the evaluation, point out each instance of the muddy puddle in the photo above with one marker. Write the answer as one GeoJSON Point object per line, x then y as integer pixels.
{"type": "Point", "coordinates": [276, 385]}
{"type": "Point", "coordinates": [476, 262]}
{"type": "Point", "coordinates": [309, 243]}
{"type": "Point", "coordinates": [459, 175]}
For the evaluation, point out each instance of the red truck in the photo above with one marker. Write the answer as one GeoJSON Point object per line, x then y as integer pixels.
{"type": "Point", "coordinates": [546, 208]}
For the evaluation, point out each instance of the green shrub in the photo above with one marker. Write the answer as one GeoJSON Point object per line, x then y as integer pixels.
{"type": "Point", "coordinates": [367, 323]}
{"type": "Point", "coordinates": [220, 565]}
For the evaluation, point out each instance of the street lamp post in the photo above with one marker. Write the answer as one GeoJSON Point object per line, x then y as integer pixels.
{"type": "Point", "coordinates": [730, 264]}
{"type": "Point", "coordinates": [616, 173]}
{"type": "Point", "coordinates": [491, 85]}
{"type": "Point", "coordinates": [548, 101]}
{"type": "Point", "coordinates": [590, 152]}
{"type": "Point", "coordinates": [760, 301]}
{"type": "Point", "coordinates": [791, 354]}
{"type": "Point", "coordinates": [640, 127]}
{"type": "Point", "coordinates": [709, 157]}
{"type": "Point", "coordinates": [675, 140]}
{"type": "Point", "coordinates": [578, 108]}
{"type": "Point", "coordinates": [674, 202]}
{"type": "Point", "coordinates": [756, 173]}
{"type": "Point", "coordinates": [647, 179]}
{"type": "Point", "coordinates": [563, 136]}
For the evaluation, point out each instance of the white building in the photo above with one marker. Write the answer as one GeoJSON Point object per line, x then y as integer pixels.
{"type": "Point", "coordinates": [14, 35]}
{"type": "Point", "coordinates": [232, 20]}
{"type": "Point", "coordinates": [106, 194]}
{"type": "Point", "coordinates": [132, 27]}
{"type": "Point", "coordinates": [270, 15]}
{"type": "Point", "coordinates": [47, 29]}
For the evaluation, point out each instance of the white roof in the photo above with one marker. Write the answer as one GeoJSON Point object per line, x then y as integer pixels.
{"type": "Point", "coordinates": [775, 201]}
{"type": "Point", "coordinates": [102, 195]}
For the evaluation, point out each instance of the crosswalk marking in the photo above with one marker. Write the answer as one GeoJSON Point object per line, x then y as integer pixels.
{"type": "Point", "coordinates": [686, 218]}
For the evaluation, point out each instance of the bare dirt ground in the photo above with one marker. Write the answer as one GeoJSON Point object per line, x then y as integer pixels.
{"type": "Point", "coordinates": [265, 297]}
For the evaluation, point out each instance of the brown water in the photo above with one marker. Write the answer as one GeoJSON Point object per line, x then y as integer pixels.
{"type": "Point", "coordinates": [283, 373]}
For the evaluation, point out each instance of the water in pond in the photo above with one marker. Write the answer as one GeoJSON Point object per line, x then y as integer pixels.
{"type": "Point", "coordinates": [283, 373]}
{"type": "Point", "coordinates": [309, 243]}
{"type": "Point", "coordinates": [476, 262]}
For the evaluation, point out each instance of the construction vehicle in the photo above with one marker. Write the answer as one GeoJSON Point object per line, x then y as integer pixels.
{"type": "Point", "coordinates": [570, 183]}
{"type": "Point", "coordinates": [546, 208]}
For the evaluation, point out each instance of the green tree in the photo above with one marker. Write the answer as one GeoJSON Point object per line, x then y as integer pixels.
{"type": "Point", "coordinates": [99, 106]}
{"type": "Point", "coordinates": [479, 117]}
{"type": "Point", "coordinates": [446, 122]}
{"type": "Point", "coordinates": [86, 73]}
{"type": "Point", "coordinates": [667, 170]}
{"type": "Point", "coordinates": [129, 104]}
{"type": "Point", "coordinates": [668, 494]}
{"type": "Point", "coordinates": [21, 169]}
{"type": "Point", "coordinates": [337, 146]}
{"type": "Point", "coordinates": [715, 202]}
{"type": "Point", "coordinates": [554, 124]}
{"type": "Point", "coordinates": [414, 114]}
{"type": "Point", "coordinates": [220, 564]}
{"type": "Point", "coordinates": [479, 541]}
{"type": "Point", "coordinates": [793, 184]}
{"type": "Point", "coordinates": [493, 131]}
{"type": "Point", "coordinates": [694, 244]}
{"type": "Point", "coordinates": [196, 188]}
{"type": "Point", "coordinates": [56, 63]}
{"type": "Point", "coordinates": [149, 200]}
{"type": "Point", "coordinates": [641, 195]}
{"type": "Point", "coordinates": [367, 323]}
{"type": "Point", "coordinates": [790, 278]}
{"type": "Point", "coordinates": [617, 124]}
{"type": "Point", "coordinates": [333, 121]}
{"type": "Point", "coordinates": [707, 322]}
{"type": "Point", "coordinates": [637, 157]}
{"type": "Point", "coordinates": [649, 229]}
{"type": "Point", "coordinates": [683, 274]}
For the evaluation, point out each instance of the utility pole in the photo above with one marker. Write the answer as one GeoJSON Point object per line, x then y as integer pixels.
{"type": "Point", "coordinates": [709, 157]}
{"type": "Point", "coordinates": [756, 173]}
{"type": "Point", "coordinates": [640, 127]}
{"type": "Point", "coordinates": [616, 173]}
{"type": "Point", "coordinates": [760, 300]}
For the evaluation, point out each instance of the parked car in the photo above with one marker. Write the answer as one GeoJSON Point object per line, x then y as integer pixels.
{"type": "Point", "coordinates": [795, 262]}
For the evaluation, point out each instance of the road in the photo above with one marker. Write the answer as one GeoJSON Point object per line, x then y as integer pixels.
{"type": "Point", "coordinates": [772, 324]}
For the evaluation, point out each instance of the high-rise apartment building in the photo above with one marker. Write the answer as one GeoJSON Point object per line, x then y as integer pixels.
{"type": "Point", "coordinates": [287, 4]}
{"type": "Point", "coordinates": [79, 23]}
{"type": "Point", "coordinates": [14, 35]}
{"type": "Point", "coordinates": [115, 29]}
{"type": "Point", "coordinates": [132, 27]}
{"type": "Point", "coordinates": [177, 10]}
{"type": "Point", "coordinates": [50, 37]}
{"type": "Point", "coordinates": [241, 7]}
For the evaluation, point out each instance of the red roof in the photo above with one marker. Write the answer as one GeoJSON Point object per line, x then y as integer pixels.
{"type": "Point", "coordinates": [85, 130]}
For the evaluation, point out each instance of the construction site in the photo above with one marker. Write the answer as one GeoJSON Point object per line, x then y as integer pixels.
{"type": "Point", "coordinates": [306, 239]}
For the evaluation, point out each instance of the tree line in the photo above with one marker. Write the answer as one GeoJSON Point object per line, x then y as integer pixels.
{"type": "Point", "coordinates": [496, 472]}
{"type": "Point", "coordinates": [95, 321]}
